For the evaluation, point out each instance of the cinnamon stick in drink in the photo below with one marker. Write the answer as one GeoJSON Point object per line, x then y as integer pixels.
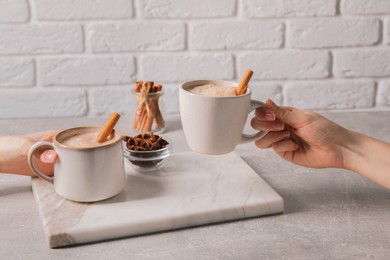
{"type": "Point", "coordinates": [243, 85]}
{"type": "Point", "coordinates": [108, 127]}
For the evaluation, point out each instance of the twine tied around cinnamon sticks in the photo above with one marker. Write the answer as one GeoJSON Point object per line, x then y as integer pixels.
{"type": "Point", "coordinates": [148, 115]}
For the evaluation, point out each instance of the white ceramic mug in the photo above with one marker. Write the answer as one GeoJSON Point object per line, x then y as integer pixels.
{"type": "Point", "coordinates": [84, 174]}
{"type": "Point", "coordinates": [214, 125]}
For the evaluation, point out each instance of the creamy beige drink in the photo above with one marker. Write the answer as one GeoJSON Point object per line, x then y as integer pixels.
{"type": "Point", "coordinates": [82, 138]}
{"type": "Point", "coordinates": [214, 90]}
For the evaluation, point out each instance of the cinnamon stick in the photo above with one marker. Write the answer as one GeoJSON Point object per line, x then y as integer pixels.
{"type": "Point", "coordinates": [140, 107]}
{"type": "Point", "coordinates": [148, 110]}
{"type": "Point", "coordinates": [108, 127]}
{"type": "Point", "coordinates": [243, 85]}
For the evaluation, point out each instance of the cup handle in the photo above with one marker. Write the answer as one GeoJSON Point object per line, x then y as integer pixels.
{"type": "Point", "coordinates": [30, 159]}
{"type": "Point", "coordinates": [249, 138]}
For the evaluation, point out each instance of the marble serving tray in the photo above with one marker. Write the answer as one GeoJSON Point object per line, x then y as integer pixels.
{"type": "Point", "coordinates": [190, 190]}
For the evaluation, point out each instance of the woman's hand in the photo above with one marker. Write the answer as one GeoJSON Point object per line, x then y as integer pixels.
{"type": "Point", "coordinates": [14, 152]}
{"type": "Point", "coordinates": [300, 136]}
{"type": "Point", "coordinates": [308, 139]}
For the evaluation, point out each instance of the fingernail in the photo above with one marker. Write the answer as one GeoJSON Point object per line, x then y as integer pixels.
{"type": "Point", "coordinates": [48, 155]}
{"type": "Point", "coordinates": [272, 104]}
{"type": "Point", "coordinates": [278, 125]}
{"type": "Point", "coordinates": [269, 116]}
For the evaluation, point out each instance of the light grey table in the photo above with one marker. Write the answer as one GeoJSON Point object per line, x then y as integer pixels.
{"type": "Point", "coordinates": [329, 213]}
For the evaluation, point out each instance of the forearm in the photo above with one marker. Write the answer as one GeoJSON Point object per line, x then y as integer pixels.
{"type": "Point", "coordinates": [13, 155]}
{"type": "Point", "coordinates": [369, 157]}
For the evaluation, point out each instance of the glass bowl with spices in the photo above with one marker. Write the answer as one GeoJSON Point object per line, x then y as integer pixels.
{"type": "Point", "coordinates": [146, 152]}
{"type": "Point", "coordinates": [148, 114]}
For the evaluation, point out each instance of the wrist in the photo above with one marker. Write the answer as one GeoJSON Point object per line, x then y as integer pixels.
{"type": "Point", "coordinates": [351, 150]}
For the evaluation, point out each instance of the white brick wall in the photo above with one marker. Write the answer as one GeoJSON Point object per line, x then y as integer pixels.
{"type": "Point", "coordinates": [338, 94]}
{"type": "Point", "coordinates": [365, 6]}
{"type": "Point", "coordinates": [184, 67]}
{"type": "Point", "coordinates": [286, 64]}
{"type": "Point", "coordinates": [41, 38]}
{"type": "Point", "coordinates": [383, 97]}
{"type": "Point", "coordinates": [81, 58]}
{"type": "Point", "coordinates": [15, 11]}
{"type": "Point", "coordinates": [136, 36]}
{"type": "Point", "coordinates": [288, 8]}
{"type": "Point", "coordinates": [87, 71]}
{"type": "Point", "coordinates": [236, 35]}
{"type": "Point", "coordinates": [16, 72]}
{"type": "Point", "coordinates": [362, 63]}
{"type": "Point", "coordinates": [42, 103]}
{"type": "Point", "coordinates": [333, 32]}
{"type": "Point", "coordinates": [55, 10]}
{"type": "Point", "coordinates": [186, 9]}
{"type": "Point", "coordinates": [387, 30]}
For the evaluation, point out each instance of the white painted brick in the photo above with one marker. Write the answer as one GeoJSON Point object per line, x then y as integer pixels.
{"type": "Point", "coordinates": [42, 103]}
{"type": "Point", "coordinates": [262, 91]}
{"type": "Point", "coordinates": [362, 63]}
{"type": "Point", "coordinates": [83, 10]}
{"type": "Point", "coordinates": [236, 35]}
{"type": "Point", "coordinates": [186, 9]}
{"type": "Point", "coordinates": [287, 8]}
{"type": "Point", "coordinates": [387, 31]}
{"type": "Point", "coordinates": [286, 64]}
{"type": "Point", "coordinates": [40, 38]}
{"type": "Point", "coordinates": [14, 11]}
{"type": "Point", "coordinates": [341, 94]}
{"type": "Point", "coordinates": [365, 6]}
{"type": "Point", "coordinates": [16, 72]}
{"type": "Point", "coordinates": [104, 101]}
{"type": "Point", "coordinates": [332, 32]}
{"type": "Point", "coordinates": [87, 71]}
{"type": "Point", "coordinates": [183, 67]}
{"type": "Point", "coordinates": [383, 93]}
{"type": "Point", "coordinates": [137, 36]}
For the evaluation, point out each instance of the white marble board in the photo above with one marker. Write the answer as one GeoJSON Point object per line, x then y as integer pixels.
{"type": "Point", "coordinates": [190, 190]}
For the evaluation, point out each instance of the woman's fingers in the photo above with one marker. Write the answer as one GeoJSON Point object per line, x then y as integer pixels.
{"type": "Point", "coordinates": [286, 145]}
{"type": "Point", "coordinates": [272, 138]}
{"type": "Point", "coordinates": [267, 125]}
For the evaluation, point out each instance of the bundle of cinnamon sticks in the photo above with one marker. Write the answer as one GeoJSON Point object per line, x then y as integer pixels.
{"type": "Point", "coordinates": [148, 111]}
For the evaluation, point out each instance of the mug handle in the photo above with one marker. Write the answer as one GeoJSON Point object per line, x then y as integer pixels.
{"type": "Point", "coordinates": [249, 138]}
{"type": "Point", "coordinates": [33, 148]}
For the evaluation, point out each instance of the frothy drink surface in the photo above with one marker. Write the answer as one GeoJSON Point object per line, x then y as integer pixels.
{"type": "Point", "coordinates": [214, 90]}
{"type": "Point", "coordinates": [82, 139]}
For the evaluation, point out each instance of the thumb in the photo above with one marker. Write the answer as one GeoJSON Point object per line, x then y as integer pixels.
{"type": "Point", "coordinates": [48, 156]}
{"type": "Point", "coordinates": [288, 115]}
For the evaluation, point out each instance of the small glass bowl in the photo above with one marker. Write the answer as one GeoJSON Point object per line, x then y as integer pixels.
{"type": "Point", "coordinates": [147, 161]}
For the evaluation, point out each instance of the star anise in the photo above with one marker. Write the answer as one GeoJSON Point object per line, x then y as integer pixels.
{"type": "Point", "coordinates": [145, 142]}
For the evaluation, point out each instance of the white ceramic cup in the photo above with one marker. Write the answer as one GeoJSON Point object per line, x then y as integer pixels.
{"type": "Point", "coordinates": [84, 174]}
{"type": "Point", "coordinates": [214, 125]}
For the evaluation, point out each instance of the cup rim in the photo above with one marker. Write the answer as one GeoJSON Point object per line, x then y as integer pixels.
{"type": "Point", "coordinates": [184, 87]}
{"type": "Point", "coordinates": [115, 140]}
